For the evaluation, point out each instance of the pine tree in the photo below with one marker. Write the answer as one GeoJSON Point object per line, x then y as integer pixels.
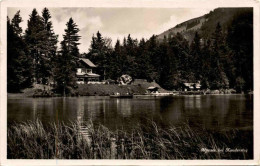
{"type": "Point", "coordinates": [100, 53]}
{"type": "Point", "coordinates": [130, 49]}
{"type": "Point", "coordinates": [121, 54]}
{"type": "Point", "coordinates": [115, 62]}
{"type": "Point", "coordinates": [218, 78]}
{"type": "Point", "coordinates": [71, 38]}
{"type": "Point", "coordinates": [169, 70]}
{"type": "Point", "coordinates": [161, 53]}
{"type": "Point", "coordinates": [65, 68]}
{"type": "Point", "coordinates": [195, 52]}
{"type": "Point", "coordinates": [183, 59]}
{"type": "Point", "coordinates": [19, 74]}
{"type": "Point", "coordinates": [51, 38]}
{"type": "Point", "coordinates": [154, 61]}
{"type": "Point", "coordinates": [170, 74]}
{"type": "Point", "coordinates": [240, 43]}
{"type": "Point", "coordinates": [17, 19]}
{"type": "Point", "coordinates": [41, 41]}
{"type": "Point", "coordinates": [144, 68]}
{"type": "Point", "coordinates": [206, 66]}
{"type": "Point", "coordinates": [48, 48]}
{"type": "Point", "coordinates": [124, 42]}
{"type": "Point", "coordinates": [35, 39]}
{"type": "Point", "coordinates": [93, 50]}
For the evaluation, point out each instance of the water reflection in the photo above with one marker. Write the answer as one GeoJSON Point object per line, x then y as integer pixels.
{"type": "Point", "coordinates": [212, 112]}
{"type": "Point", "coordinates": [124, 107]}
{"type": "Point", "coordinates": [193, 101]}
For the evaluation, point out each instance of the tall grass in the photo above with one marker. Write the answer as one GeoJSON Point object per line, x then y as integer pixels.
{"type": "Point", "coordinates": [32, 140]}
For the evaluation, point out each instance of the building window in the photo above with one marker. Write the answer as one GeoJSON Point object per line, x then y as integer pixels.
{"type": "Point", "coordinates": [80, 79]}
{"type": "Point", "coordinates": [83, 70]}
{"type": "Point", "coordinates": [89, 70]}
{"type": "Point", "coordinates": [79, 70]}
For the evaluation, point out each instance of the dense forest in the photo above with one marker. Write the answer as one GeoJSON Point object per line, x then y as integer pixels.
{"type": "Point", "coordinates": [222, 60]}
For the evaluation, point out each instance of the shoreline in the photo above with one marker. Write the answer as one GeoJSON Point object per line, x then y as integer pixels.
{"type": "Point", "coordinates": [21, 95]}
{"type": "Point", "coordinates": [111, 89]}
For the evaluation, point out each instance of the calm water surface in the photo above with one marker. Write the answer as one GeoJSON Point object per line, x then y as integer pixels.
{"type": "Point", "coordinates": [207, 111]}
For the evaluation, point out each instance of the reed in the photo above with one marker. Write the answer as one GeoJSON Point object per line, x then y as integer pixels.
{"type": "Point", "coordinates": [33, 140]}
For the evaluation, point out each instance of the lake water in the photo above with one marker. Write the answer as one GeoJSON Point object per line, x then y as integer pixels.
{"type": "Point", "coordinates": [207, 111]}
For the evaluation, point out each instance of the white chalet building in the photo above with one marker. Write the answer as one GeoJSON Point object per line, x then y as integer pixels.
{"type": "Point", "coordinates": [86, 72]}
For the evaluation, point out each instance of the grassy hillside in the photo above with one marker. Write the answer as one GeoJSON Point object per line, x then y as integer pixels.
{"type": "Point", "coordinates": [205, 25]}
{"type": "Point", "coordinates": [91, 89]}
{"type": "Point", "coordinates": [99, 89]}
{"type": "Point", "coordinates": [184, 28]}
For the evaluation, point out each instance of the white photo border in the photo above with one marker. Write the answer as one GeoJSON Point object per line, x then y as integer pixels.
{"type": "Point", "coordinates": [130, 4]}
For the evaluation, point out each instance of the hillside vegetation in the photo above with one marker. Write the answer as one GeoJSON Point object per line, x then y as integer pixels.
{"type": "Point", "coordinates": [205, 25]}
{"type": "Point", "coordinates": [99, 89]}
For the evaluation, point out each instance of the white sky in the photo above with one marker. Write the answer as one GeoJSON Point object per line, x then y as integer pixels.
{"type": "Point", "coordinates": [115, 23]}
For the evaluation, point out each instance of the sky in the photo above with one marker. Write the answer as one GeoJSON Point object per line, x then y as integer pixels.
{"type": "Point", "coordinates": [115, 23]}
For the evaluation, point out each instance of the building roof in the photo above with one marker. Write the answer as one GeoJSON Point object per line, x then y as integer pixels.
{"type": "Point", "coordinates": [190, 85]}
{"type": "Point", "coordinates": [87, 75]}
{"type": "Point", "coordinates": [87, 61]}
{"type": "Point", "coordinates": [198, 85]}
{"type": "Point", "coordinates": [152, 88]}
{"type": "Point", "coordinates": [93, 75]}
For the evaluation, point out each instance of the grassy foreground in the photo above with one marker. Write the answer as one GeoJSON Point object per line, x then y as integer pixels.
{"type": "Point", "coordinates": [32, 140]}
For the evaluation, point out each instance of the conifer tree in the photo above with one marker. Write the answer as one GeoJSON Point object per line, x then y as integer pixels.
{"type": "Point", "coordinates": [48, 48]}
{"type": "Point", "coordinates": [41, 41]}
{"type": "Point", "coordinates": [130, 48]}
{"type": "Point", "coordinates": [17, 19]}
{"type": "Point", "coordinates": [65, 68]}
{"type": "Point", "coordinates": [240, 43]}
{"type": "Point", "coordinates": [195, 52]}
{"type": "Point", "coordinates": [144, 66]}
{"type": "Point", "coordinates": [205, 61]}
{"type": "Point", "coordinates": [19, 74]}
{"type": "Point", "coordinates": [217, 77]}
{"type": "Point", "coordinates": [115, 62]}
{"type": "Point", "coordinates": [51, 37]}
{"type": "Point", "coordinates": [161, 52]}
{"type": "Point", "coordinates": [100, 52]}
{"type": "Point", "coordinates": [35, 39]}
{"type": "Point", "coordinates": [71, 38]}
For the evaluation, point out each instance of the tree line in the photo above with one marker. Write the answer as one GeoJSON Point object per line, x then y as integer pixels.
{"type": "Point", "coordinates": [223, 60]}
{"type": "Point", "coordinates": [33, 57]}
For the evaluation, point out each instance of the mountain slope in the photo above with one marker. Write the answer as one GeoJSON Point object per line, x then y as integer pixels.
{"type": "Point", "coordinates": [205, 25]}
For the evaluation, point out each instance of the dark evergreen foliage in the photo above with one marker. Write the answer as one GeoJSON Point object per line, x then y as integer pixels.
{"type": "Point", "coordinates": [65, 66]}
{"type": "Point", "coordinates": [100, 53]}
{"type": "Point", "coordinates": [19, 65]}
{"type": "Point", "coordinates": [240, 42]}
{"type": "Point", "coordinates": [219, 60]}
{"type": "Point", "coordinates": [51, 40]}
{"type": "Point", "coordinates": [34, 38]}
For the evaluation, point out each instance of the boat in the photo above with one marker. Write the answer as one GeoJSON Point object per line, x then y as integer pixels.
{"type": "Point", "coordinates": [121, 96]}
{"type": "Point", "coordinates": [149, 95]}
{"type": "Point", "coordinates": [153, 91]}
{"type": "Point", "coordinates": [160, 94]}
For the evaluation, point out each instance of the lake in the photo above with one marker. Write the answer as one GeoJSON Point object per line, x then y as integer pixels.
{"type": "Point", "coordinates": [213, 112]}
